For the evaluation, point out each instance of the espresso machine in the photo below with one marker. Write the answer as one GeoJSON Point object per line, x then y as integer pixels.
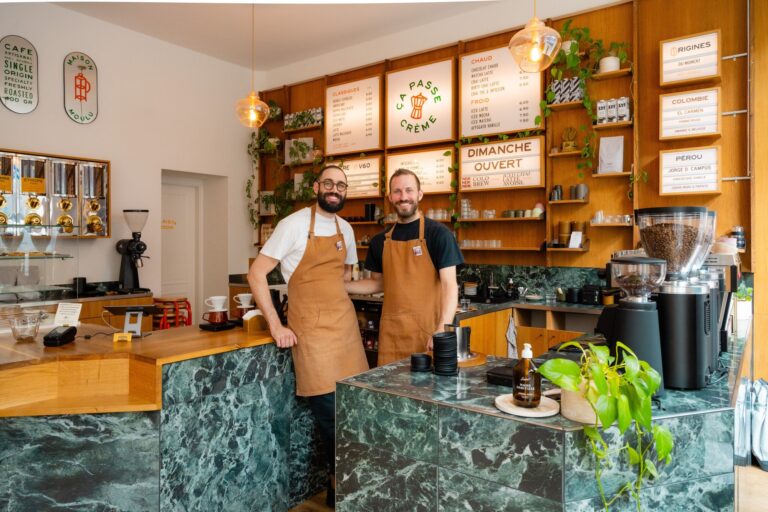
{"type": "Point", "coordinates": [94, 186]}
{"type": "Point", "coordinates": [132, 250]}
{"type": "Point", "coordinates": [635, 321]}
{"type": "Point", "coordinates": [64, 201]}
{"type": "Point", "coordinates": [33, 201]}
{"type": "Point", "coordinates": [677, 235]}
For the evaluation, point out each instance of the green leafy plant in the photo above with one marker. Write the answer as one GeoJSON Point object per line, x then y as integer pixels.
{"type": "Point", "coordinates": [640, 177]}
{"type": "Point", "coordinates": [743, 292]}
{"type": "Point", "coordinates": [275, 111]}
{"type": "Point", "coordinates": [619, 390]}
{"type": "Point", "coordinates": [615, 49]}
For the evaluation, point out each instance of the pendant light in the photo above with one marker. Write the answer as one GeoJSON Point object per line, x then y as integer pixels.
{"type": "Point", "coordinates": [535, 47]}
{"type": "Point", "coordinates": [251, 111]}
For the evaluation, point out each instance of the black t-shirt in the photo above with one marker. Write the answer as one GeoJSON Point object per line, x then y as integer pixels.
{"type": "Point", "coordinates": [442, 246]}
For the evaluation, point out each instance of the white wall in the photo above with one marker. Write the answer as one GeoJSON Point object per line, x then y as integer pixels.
{"type": "Point", "coordinates": [477, 21]}
{"type": "Point", "coordinates": [160, 107]}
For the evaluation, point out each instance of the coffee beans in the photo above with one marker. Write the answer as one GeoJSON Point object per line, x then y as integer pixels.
{"type": "Point", "coordinates": [675, 243]}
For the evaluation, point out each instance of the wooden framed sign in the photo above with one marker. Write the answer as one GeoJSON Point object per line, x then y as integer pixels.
{"type": "Point", "coordinates": [353, 122]}
{"type": "Point", "coordinates": [513, 163]}
{"type": "Point", "coordinates": [432, 166]}
{"type": "Point", "coordinates": [495, 95]}
{"type": "Point", "coordinates": [363, 176]}
{"type": "Point", "coordinates": [420, 104]}
{"type": "Point", "coordinates": [689, 114]}
{"type": "Point", "coordinates": [689, 171]}
{"type": "Point", "coordinates": [19, 92]}
{"type": "Point", "coordinates": [693, 58]}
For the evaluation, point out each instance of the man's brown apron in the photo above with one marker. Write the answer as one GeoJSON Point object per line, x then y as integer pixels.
{"type": "Point", "coordinates": [412, 293]}
{"type": "Point", "coordinates": [321, 314]}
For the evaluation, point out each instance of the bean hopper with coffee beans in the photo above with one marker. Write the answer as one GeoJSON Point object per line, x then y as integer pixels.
{"type": "Point", "coordinates": [635, 320]}
{"type": "Point", "coordinates": [678, 235]}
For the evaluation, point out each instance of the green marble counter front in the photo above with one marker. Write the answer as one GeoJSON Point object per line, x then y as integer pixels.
{"type": "Point", "coordinates": [416, 441]}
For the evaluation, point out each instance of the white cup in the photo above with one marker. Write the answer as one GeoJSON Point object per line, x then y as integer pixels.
{"type": "Point", "coordinates": [244, 300]}
{"type": "Point", "coordinates": [216, 302]}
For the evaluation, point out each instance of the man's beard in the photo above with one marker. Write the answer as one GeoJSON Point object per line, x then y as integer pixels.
{"type": "Point", "coordinates": [409, 211]}
{"type": "Point", "coordinates": [329, 207]}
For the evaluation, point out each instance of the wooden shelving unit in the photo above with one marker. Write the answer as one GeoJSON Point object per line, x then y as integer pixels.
{"type": "Point", "coordinates": [610, 225]}
{"type": "Point", "coordinates": [610, 174]}
{"type": "Point", "coordinates": [568, 105]}
{"type": "Point", "coordinates": [504, 219]}
{"type": "Point", "coordinates": [509, 249]}
{"type": "Point", "coordinates": [612, 74]}
{"type": "Point", "coordinates": [570, 201]}
{"type": "Point", "coordinates": [565, 154]}
{"type": "Point", "coordinates": [583, 248]}
{"type": "Point", "coordinates": [608, 126]}
{"type": "Point", "coordinates": [363, 222]}
{"type": "Point", "coordinates": [303, 129]}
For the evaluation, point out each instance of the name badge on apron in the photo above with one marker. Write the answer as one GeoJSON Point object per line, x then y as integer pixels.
{"type": "Point", "coordinates": [338, 245]}
{"type": "Point", "coordinates": [417, 250]}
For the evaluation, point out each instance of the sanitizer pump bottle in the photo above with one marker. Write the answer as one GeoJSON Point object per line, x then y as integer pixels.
{"type": "Point", "coordinates": [527, 381]}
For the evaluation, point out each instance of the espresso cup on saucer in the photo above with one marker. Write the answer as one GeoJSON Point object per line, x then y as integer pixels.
{"type": "Point", "coordinates": [215, 317]}
{"type": "Point", "coordinates": [244, 300]}
{"type": "Point", "coordinates": [217, 302]}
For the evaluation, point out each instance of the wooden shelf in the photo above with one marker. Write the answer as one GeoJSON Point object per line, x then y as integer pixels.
{"type": "Point", "coordinates": [446, 221]}
{"type": "Point", "coordinates": [364, 223]}
{"type": "Point", "coordinates": [610, 174]}
{"type": "Point", "coordinates": [565, 154]}
{"type": "Point", "coordinates": [303, 129]}
{"type": "Point", "coordinates": [568, 105]}
{"type": "Point", "coordinates": [608, 126]}
{"type": "Point", "coordinates": [612, 74]}
{"type": "Point", "coordinates": [610, 225]}
{"type": "Point", "coordinates": [362, 246]}
{"type": "Point", "coordinates": [504, 219]}
{"type": "Point", "coordinates": [583, 248]}
{"type": "Point", "coordinates": [570, 201]}
{"type": "Point", "coordinates": [516, 249]}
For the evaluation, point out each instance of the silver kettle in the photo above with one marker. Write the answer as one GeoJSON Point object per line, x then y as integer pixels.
{"type": "Point", "coordinates": [463, 351]}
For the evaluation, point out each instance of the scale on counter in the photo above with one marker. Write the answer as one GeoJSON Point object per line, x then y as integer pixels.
{"type": "Point", "coordinates": [133, 316]}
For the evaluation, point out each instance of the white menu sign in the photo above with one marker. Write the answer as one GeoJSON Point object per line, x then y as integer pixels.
{"type": "Point", "coordinates": [690, 171]}
{"type": "Point", "coordinates": [362, 176]}
{"type": "Point", "coordinates": [19, 84]}
{"type": "Point", "coordinates": [420, 104]}
{"type": "Point", "coordinates": [692, 58]}
{"type": "Point", "coordinates": [514, 163]}
{"type": "Point", "coordinates": [689, 114]}
{"type": "Point", "coordinates": [433, 167]}
{"type": "Point", "coordinates": [496, 95]}
{"type": "Point", "coordinates": [353, 113]}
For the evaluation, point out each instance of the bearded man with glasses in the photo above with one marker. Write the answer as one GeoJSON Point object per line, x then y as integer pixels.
{"type": "Point", "coordinates": [316, 251]}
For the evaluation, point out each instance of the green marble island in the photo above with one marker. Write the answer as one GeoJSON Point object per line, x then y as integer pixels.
{"type": "Point", "coordinates": [419, 442]}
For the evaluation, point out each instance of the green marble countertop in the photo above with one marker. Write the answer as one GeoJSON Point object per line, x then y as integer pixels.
{"type": "Point", "coordinates": [470, 391]}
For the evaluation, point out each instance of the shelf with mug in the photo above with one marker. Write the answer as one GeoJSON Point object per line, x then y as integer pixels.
{"type": "Point", "coordinates": [446, 221]}
{"type": "Point", "coordinates": [612, 74]}
{"type": "Point", "coordinates": [510, 249]}
{"type": "Point", "coordinates": [570, 201]}
{"type": "Point", "coordinates": [610, 174]}
{"type": "Point", "coordinates": [584, 248]}
{"type": "Point", "coordinates": [608, 126]}
{"type": "Point", "coordinates": [503, 219]}
{"type": "Point", "coordinates": [564, 154]}
{"type": "Point", "coordinates": [567, 105]}
{"type": "Point", "coordinates": [364, 223]}
{"type": "Point", "coordinates": [610, 224]}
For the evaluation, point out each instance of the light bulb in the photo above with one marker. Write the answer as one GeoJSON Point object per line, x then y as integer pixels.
{"type": "Point", "coordinates": [535, 55]}
{"type": "Point", "coordinates": [252, 114]}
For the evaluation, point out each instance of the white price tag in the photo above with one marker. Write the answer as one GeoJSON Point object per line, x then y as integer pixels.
{"type": "Point", "coordinates": [67, 313]}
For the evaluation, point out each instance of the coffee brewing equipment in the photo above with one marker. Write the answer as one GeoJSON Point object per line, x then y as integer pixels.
{"type": "Point", "coordinates": [64, 197]}
{"type": "Point", "coordinates": [711, 281]}
{"type": "Point", "coordinates": [33, 201]}
{"type": "Point", "coordinates": [132, 250]}
{"type": "Point", "coordinates": [635, 320]}
{"type": "Point", "coordinates": [677, 235]}
{"type": "Point", "coordinates": [94, 208]}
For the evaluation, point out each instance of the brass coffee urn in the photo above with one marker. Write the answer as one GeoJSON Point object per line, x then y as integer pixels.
{"type": "Point", "coordinates": [33, 199]}
{"type": "Point", "coordinates": [95, 187]}
{"type": "Point", "coordinates": [64, 198]}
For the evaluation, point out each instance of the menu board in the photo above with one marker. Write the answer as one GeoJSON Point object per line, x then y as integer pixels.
{"type": "Point", "coordinates": [420, 104]}
{"type": "Point", "coordinates": [362, 176]}
{"type": "Point", "coordinates": [432, 166]}
{"type": "Point", "coordinates": [496, 96]}
{"type": "Point", "coordinates": [690, 59]}
{"type": "Point", "coordinates": [353, 113]}
{"type": "Point", "coordinates": [513, 163]}
{"type": "Point", "coordinates": [689, 114]}
{"type": "Point", "coordinates": [689, 171]}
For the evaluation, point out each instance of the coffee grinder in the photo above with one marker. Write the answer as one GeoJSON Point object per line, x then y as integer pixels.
{"type": "Point", "coordinates": [635, 321]}
{"type": "Point", "coordinates": [64, 202]}
{"type": "Point", "coordinates": [676, 235]}
{"type": "Point", "coordinates": [132, 250]}
{"type": "Point", "coordinates": [712, 282]}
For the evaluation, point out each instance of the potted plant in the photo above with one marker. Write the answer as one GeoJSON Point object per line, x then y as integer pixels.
{"type": "Point", "coordinates": [608, 59]}
{"type": "Point", "coordinates": [743, 309]}
{"type": "Point", "coordinates": [618, 390]}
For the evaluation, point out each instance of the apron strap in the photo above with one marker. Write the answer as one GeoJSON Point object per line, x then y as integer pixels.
{"type": "Point", "coordinates": [338, 229]}
{"type": "Point", "coordinates": [421, 226]}
{"type": "Point", "coordinates": [388, 234]}
{"type": "Point", "coordinates": [312, 223]}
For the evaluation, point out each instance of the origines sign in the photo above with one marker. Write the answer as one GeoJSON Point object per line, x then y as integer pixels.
{"type": "Point", "coordinates": [496, 96]}
{"type": "Point", "coordinates": [514, 163]}
{"type": "Point", "coordinates": [420, 104]}
{"type": "Point", "coordinates": [690, 59]}
{"type": "Point", "coordinates": [19, 90]}
{"type": "Point", "coordinates": [689, 114]}
{"type": "Point", "coordinates": [690, 171]}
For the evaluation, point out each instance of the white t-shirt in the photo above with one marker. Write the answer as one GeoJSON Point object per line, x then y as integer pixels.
{"type": "Point", "coordinates": [289, 240]}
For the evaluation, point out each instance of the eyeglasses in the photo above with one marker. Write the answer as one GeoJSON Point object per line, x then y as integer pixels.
{"type": "Point", "coordinates": [328, 185]}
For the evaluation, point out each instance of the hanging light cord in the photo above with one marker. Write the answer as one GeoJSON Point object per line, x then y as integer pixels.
{"type": "Point", "coordinates": [253, 42]}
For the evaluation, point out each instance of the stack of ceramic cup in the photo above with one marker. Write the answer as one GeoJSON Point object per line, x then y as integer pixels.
{"type": "Point", "coordinates": [445, 354]}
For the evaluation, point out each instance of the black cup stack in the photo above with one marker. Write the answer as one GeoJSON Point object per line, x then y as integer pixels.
{"type": "Point", "coordinates": [444, 350]}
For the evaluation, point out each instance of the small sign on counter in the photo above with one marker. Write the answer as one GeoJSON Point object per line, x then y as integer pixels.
{"type": "Point", "coordinates": [689, 114]}
{"type": "Point", "coordinates": [690, 171]}
{"type": "Point", "coordinates": [693, 58]}
{"type": "Point", "coordinates": [432, 166]}
{"type": "Point", "coordinates": [513, 163]}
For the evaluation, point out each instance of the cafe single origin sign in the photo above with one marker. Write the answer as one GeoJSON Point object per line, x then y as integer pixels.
{"type": "Point", "coordinates": [689, 114]}
{"type": "Point", "coordinates": [690, 59]}
{"type": "Point", "coordinates": [420, 104]}
{"type": "Point", "coordinates": [363, 176]}
{"type": "Point", "coordinates": [19, 74]}
{"type": "Point", "coordinates": [81, 97]}
{"type": "Point", "coordinates": [514, 163]}
{"type": "Point", "coordinates": [432, 166]}
{"type": "Point", "coordinates": [690, 171]}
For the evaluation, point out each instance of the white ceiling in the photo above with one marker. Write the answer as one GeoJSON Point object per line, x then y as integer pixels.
{"type": "Point", "coordinates": [285, 33]}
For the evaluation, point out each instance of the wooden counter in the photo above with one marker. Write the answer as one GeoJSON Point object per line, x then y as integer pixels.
{"type": "Point", "coordinates": [96, 375]}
